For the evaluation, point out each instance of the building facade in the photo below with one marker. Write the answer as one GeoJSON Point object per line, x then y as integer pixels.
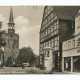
{"type": "Point", "coordinates": [11, 50]}
{"type": "Point", "coordinates": [71, 49]}
{"type": "Point", "coordinates": [57, 23]}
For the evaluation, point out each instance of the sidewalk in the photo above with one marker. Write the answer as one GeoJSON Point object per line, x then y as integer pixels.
{"type": "Point", "coordinates": [66, 72]}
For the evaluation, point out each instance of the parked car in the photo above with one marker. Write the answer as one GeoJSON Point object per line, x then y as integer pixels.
{"type": "Point", "coordinates": [25, 64]}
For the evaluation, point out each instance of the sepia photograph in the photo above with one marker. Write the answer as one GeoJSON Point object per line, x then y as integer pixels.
{"type": "Point", "coordinates": [39, 39]}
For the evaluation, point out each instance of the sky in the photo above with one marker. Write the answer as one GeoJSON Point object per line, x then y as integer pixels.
{"type": "Point", "coordinates": [27, 21]}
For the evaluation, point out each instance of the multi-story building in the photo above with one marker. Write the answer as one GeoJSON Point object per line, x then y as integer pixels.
{"type": "Point", "coordinates": [71, 48]}
{"type": "Point", "coordinates": [57, 23]}
{"type": "Point", "coordinates": [11, 49]}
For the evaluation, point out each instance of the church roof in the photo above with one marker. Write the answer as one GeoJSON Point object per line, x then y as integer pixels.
{"type": "Point", "coordinates": [17, 35]}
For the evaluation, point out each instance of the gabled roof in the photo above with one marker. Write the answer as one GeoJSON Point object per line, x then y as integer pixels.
{"type": "Point", "coordinates": [66, 12]}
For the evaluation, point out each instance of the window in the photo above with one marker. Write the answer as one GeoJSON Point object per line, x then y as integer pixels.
{"type": "Point", "coordinates": [46, 32]}
{"type": "Point", "coordinates": [47, 53]}
{"type": "Point", "coordinates": [49, 18]}
{"type": "Point", "coordinates": [49, 43]}
{"type": "Point", "coordinates": [13, 46]}
{"type": "Point", "coordinates": [14, 41]}
{"type": "Point", "coordinates": [11, 35]}
{"type": "Point", "coordinates": [52, 21]}
{"type": "Point", "coordinates": [69, 44]}
{"type": "Point", "coordinates": [49, 30]}
{"type": "Point", "coordinates": [52, 28]}
{"type": "Point", "coordinates": [78, 43]}
{"type": "Point", "coordinates": [73, 43]}
{"type": "Point", "coordinates": [52, 42]}
{"type": "Point", "coordinates": [51, 15]}
{"type": "Point", "coordinates": [44, 44]}
{"type": "Point", "coordinates": [56, 41]}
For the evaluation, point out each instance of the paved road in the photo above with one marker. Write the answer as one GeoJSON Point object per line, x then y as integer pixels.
{"type": "Point", "coordinates": [19, 70]}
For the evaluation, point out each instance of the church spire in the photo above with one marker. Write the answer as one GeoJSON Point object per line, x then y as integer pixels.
{"type": "Point", "coordinates": [11, 19]}
{"type": "Point", "coordinates": [11, 22]}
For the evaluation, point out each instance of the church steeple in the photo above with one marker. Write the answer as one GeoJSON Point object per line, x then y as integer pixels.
{"type": "Point", "coordinates": [11, 22]}
{"type": "Point", "coordinates": [11, 19]}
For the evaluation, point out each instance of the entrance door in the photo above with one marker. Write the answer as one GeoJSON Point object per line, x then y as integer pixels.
{"type": "Point", "coordinates": [55, 60]}
{"type": "Point", "coordinates": [67, 64]}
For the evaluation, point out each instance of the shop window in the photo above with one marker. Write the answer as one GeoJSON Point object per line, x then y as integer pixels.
{"type": "Point", "coordinates": [67, 64]}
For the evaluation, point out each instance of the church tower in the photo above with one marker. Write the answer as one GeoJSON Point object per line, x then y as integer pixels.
{"type": "Point", "coordinates": [11, 49]}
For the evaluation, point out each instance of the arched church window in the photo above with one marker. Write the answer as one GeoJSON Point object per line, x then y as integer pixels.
{"type": "Point", "coordinates": [13, 59]}
{"type": "Point", "coordinates": [48, 54]}
{"type": "Point", "coordinates": [13, 46]}
{"type": "Point", "coordinates": [11, 35]}
{"type": "Point", "coordinates": [14, 41]}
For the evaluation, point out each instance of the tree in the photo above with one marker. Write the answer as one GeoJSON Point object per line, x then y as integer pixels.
{"type": "Point", "coordinates": [2, 41]}
{"type": "Point", "coordinates": [26, 55]}
{"type": "Point", "coordinates": [2, 38]}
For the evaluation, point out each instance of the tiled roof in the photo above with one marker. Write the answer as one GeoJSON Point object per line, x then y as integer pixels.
{"type": "Point", "coordinates": [66, 12]}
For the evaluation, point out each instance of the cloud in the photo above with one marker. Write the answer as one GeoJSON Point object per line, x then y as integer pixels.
{"type": "Point", "coordinates": [21, 21]}
{"type": "Point", "coordinates": [29, 35]}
